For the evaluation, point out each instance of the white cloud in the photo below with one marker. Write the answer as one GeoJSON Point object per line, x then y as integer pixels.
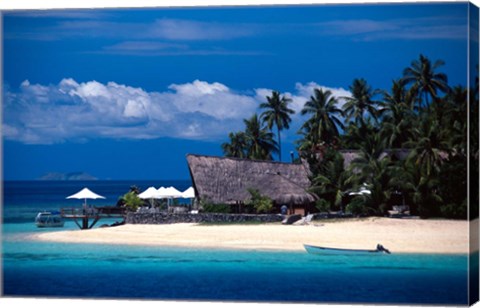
{"type": "Point", "coordinates": [39, 91]}
{"type": "Point", "coordinates": [164, 29]}
{"type": "Point", "coordinates": [134, 109]}
{"type": "Point", "coordinates": [199, 88]}
{"type": "Point", "coordinates": [213, 99]}
{"type": "Point", "coordinates": [423, 28]}
{"type": "Point", "coordinates": [190, 30]}
{"type": "Point", "coordinates": [145, 48]}
{"type": "Point", "coordinates": [79, 111]}
{"type": "Point", "coordinates": [91, 89]}
{"type": "Point", "coordinates": [71, 110]}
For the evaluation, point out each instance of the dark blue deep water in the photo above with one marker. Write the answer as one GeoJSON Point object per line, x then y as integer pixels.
{"type": "Point", "coordinates": [135, 272]}
{"type": "Point", "coordinates": [22, 200]}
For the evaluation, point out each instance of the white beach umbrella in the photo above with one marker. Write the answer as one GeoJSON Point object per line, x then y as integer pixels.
{"type": "Point", "coordinates": [168, 193]}
{"type": "Point", "coordinates": [85, 194]}
{"type": "Point", "coordinates": [172, 192]}
{"type": "Point", "coordinates": [189, 193]}
{"type": "Point", "coordinates": [149, 193]}
{"type": "Point", "coordinates": [161, 193]}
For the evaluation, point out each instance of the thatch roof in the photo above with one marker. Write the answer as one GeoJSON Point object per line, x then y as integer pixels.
{"type": "Point", "coordinates": [227, 180]}
{"type": "Point", "coordinates": [349, 156]}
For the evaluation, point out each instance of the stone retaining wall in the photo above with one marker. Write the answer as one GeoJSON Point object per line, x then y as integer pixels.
{"type": "Point", "coordinates": [165, 218]}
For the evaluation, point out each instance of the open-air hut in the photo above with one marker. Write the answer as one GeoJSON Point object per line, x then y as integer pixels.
{"type": "Point", "coordinates": [227, 180]}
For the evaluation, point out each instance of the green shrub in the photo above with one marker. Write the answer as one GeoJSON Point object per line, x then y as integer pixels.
{"type": "Point", "coordinates": [357, 206]}
{"type": "Point", "coordinates": [322, 205]}
{"type": "Point", "coordinates": [216, 208]}
{"type": "Point", "coordinates": [262, 204]}
{"type": "Point", "coordinates": [132, 201]}
{"type": "Point", "coordinates": [452, 210]}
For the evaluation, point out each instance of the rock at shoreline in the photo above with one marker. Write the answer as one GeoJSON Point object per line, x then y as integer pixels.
{"type": "Point", "coordinates": [291, 219]}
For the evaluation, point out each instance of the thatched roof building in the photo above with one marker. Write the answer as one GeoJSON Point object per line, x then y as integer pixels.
{"type": "Point", "coordinates": [227, 180]}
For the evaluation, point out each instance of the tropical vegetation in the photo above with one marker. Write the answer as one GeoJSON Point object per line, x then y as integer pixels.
{"type": "Point", "coordinates": [261, 203]}
{"type": "Point", "coordinates": [256, 142]}
{"type": "Point", "coordinates": [408, 141]}
{"type": "Point", "coordinates": [131, 201]}
{"type": "Point", "coordinates": [277, 113]}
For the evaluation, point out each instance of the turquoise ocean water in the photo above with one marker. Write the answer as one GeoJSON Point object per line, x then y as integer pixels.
{"type": "Point", "coordinates": [37, 269]}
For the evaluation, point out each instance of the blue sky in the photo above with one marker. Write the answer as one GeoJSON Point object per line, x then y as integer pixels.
{"type": "Point", "coordinates": [127, 93]}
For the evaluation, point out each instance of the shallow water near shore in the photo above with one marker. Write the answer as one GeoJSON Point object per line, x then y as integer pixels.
{"type": "Point", "coordinates": [47, 269]}
{"type": "Point", "coordinates": [111, 271]}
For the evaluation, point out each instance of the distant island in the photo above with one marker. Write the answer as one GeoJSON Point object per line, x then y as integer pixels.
{"type": "Point", "coordinates": [72, 176]}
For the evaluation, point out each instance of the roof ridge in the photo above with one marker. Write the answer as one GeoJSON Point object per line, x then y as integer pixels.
{"type": "Point", "coordinates": [241, 159]}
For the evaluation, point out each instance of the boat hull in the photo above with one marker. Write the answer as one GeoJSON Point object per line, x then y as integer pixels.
{"type": "Point", "coordinates": [49, 220]}
{"type": "Point", "coordinates": [50, 224]}
{"type": "Point", "coordinates": [317, 250]}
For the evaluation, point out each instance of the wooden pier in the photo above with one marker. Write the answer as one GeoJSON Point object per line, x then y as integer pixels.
{"type": "Point", "coordinates": [84, 215]}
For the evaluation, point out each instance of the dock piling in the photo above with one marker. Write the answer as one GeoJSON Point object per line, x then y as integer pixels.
{"type": "Point", "coordinates": [96, 214]}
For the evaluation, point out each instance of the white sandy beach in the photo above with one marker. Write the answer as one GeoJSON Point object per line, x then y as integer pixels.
{"type": "Point", "coordinates": [401, 236]}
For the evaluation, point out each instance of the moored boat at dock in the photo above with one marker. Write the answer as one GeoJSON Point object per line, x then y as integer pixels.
{"type": "Point", "coordinates": [47, 219]}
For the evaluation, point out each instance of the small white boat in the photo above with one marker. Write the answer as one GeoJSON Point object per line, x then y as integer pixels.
{"type": "Point", "coordinates": [49, 220]}
{"type": "Point", "coordinates": [341, 251]}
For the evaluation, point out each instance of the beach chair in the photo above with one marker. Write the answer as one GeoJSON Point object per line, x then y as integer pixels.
{"type": "Point", "coordinates": [306, 220]}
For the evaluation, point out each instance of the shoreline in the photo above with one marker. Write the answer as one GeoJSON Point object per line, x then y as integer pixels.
{"type": "Point", "coordinates": [397, 235]}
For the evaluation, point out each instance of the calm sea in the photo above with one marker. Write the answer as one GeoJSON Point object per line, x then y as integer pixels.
{"type": "Point", "coordinates": [135, 272]}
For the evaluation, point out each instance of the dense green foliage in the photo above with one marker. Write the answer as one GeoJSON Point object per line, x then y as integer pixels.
{"type": "Point", "coordinates": [131, 201]}
{"type": "Point", "coordinates": [421, 115]}
{"type": "Point", "coordinates": [322, 205]}
{"type": "Point", "coordinates": [261, 203]}
{"type": "Point", "coordinates": [256, 142]}
{"type": "Point", "coordinates": [209, 207]}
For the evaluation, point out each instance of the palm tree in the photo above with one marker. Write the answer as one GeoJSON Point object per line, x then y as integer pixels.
{"type": "Point", "coordinates": [396, 126]}
{"type": "Point", "coordinates": [332, 181]}
{"type": "Point", "coordinates": [131, 201]}
{"type": "Point", "coordinates": [373, 168]}
{"type": "Point", "coordinates": [397, 115]}
{"type": "Point", "coordinates": [360, 102]}
{"type": "Point", "coordinates": [474, 147]}
{"type": "Point", "coordinates": [355, 136]}
{"type": "Point", "coordinates": [307, 143]}
{"type": "Point", "coordinates": [453, 111]}
{"type": "Point", "coordinates": [422, 75]}
{"type": "Point", "coordinates": [309, 147]}
{"type": "Point", "coordinates": [399, 94]}
{"type": "Point", "coordinates": [237, 145]}
{"type": "Point", "coordinates": [324, 123]}
{"type": "Point", "coordinates": [428, 148]}
{"type": "Point", "coordinates": [277, 113]}
{"type": "Point", "coordinates": [260, 142]}
{"type": "Point", "coordinates": [420, 189]}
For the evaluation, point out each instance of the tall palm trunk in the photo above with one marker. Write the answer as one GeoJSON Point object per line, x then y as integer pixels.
{"type": "Point", "coordinates": [277, 113]}
{"type": "Point", "coordinates": [279, 145]}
